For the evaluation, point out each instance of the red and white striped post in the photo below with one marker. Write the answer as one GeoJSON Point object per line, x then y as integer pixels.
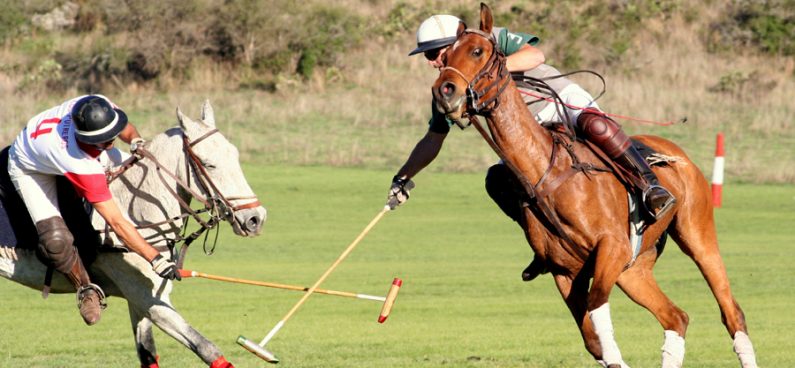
{"type": "Point", "coordinates": [717, 172]}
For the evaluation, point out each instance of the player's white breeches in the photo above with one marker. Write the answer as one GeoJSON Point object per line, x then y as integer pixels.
{"type": "Point", "coordinates": [38, 190]}
{"type": "Point", "coordinates": [573, 96]}
{"type": "Point", "coordinates": [575, 99]}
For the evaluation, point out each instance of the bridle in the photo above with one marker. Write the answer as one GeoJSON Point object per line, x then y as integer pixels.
{"type": "Point", "coordinates": [219, 206]}
{"type": "Point", "coordinates": [494, 70]}
{"type": "Point", "coordinates": [499, 76]}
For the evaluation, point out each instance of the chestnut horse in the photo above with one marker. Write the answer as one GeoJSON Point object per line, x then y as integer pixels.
{"type": "Point", "coordinates": [583, 233]}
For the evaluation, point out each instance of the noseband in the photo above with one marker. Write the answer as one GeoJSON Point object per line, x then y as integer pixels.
{"type": "Point", "coordinates": [494, 70]}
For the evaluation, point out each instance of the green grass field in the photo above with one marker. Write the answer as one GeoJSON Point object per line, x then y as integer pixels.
{"type": "Point", "coordinates": [462, 304]}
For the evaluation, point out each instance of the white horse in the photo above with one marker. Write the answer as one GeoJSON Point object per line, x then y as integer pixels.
{"type": "Point", "coordinates": [192, 161]}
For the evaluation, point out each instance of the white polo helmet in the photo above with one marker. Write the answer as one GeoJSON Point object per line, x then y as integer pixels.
{"type": "Point", "coordinates": [435, 32]}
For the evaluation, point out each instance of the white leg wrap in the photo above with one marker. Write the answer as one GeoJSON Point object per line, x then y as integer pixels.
{"type": "Point", "coordinates": [744, 350]}
{"type": "Point", "coordinates": [673, 350]}
{"type": "Point", "coordinates": [603, 326]}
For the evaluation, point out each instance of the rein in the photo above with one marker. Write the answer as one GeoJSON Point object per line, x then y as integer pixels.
{"type": "Point", "coordinates": [218, 206]}
{"type": "Point", "coordinates": [496, 72]}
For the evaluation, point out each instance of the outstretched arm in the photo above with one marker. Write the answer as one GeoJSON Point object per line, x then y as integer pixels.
{"type": "Point", "coordinates": [125, 230]}
{"type": "Point", "coordinates": [130, 236]}
{"type": "Point", "coordinates": [423, 154]}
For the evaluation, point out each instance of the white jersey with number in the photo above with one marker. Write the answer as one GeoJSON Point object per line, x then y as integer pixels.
{"type": "Point", "coordinates": [48, 145]}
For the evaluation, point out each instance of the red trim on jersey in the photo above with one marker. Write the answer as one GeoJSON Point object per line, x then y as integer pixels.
{"type": "Point", "coordinates": [39, 131]}
{"type": "Point", "coordinates": [93, 187]}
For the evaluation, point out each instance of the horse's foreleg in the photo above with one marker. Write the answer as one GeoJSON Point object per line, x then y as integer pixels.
{"type": "Point", "coordinates": [695, 234]}
{"type": "Point", "coordinates": [575, 294]}
{"type": "Point", "coordinates": [639, 284]}
{"type": "Point", "coordinates": [148, 294]}
{"type": "Point", "coordinates": [611, 256]}
{"type": "Point", "coordinates": [144, 339]}
{"type": "Point", "coordinates": [163, 315]}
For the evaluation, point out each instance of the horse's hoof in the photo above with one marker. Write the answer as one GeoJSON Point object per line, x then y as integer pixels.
{"type": "Point", "coordinates": [532, 270]}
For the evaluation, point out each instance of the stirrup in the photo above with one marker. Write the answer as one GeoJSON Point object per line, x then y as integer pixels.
{"type": "Point", "coordinates": [97, 289]}
{"type": "Point", "coordinates": [665, 206]}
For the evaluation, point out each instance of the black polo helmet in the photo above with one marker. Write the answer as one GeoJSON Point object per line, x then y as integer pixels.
{"type": "Point", "coordinates": [96, 121]}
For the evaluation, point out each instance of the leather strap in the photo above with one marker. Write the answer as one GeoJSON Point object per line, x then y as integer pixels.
{"type": "Point", "coordinates": [540, 203]}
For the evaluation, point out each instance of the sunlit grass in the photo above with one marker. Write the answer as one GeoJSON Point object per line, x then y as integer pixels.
{"type": "Point", "coordinates": [462, 304]}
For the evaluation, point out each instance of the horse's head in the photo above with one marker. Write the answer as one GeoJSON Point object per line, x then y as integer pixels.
{"type": "Point", "coordinates": [474, 73]}
{"type": "Point", "coordinates": [218, 175]}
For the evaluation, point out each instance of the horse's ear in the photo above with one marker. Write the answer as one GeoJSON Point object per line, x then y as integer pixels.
{"type": "Point", "coordinates": [461, 28]}
{"type": "Point", "coordinates": [208, 116]}
{"type": "Point", "coordinates": [180, 117]}
{"type": "Point", "coordinates": [185, 122]}
{"type": "Point", "coordinates": [486, 20]}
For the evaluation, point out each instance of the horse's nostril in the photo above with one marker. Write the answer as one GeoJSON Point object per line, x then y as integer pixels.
{"type": "Point", "coordinates": [252, 224]}
{"type": "Point", "coordinates": [447, 89]}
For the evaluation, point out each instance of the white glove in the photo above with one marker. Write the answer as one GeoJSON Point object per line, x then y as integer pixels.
{"type": "Point", "coordinates": [399, 192]}
{"type": "Point", "coordinates": [136, 143]}
{"type": "Point", "coordinates": [165, 268]}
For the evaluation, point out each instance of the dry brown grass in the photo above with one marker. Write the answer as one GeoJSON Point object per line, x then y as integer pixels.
{"type": "Point", "coordinates": [373, 107]}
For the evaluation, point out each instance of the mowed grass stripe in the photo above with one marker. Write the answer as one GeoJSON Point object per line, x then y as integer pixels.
{"type": "Point", "coordinates": [462, 303]}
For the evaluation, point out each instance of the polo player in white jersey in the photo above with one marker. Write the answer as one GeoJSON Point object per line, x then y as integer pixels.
{"type": "Point", "coordinates": [69, 140]}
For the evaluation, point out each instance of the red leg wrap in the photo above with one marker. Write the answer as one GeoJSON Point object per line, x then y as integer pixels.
{"type": "Point", "coordinates": [153, 365]}
{"type": "Point", "coordinates": [221, 363]}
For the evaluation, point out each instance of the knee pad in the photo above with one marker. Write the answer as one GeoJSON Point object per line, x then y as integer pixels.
{"type": "Point", "coordinates": [504, 188]}
{"type": "Point", "coordinates": [56, 244]}
{"type": "Point", "coordinates": [604, 132]}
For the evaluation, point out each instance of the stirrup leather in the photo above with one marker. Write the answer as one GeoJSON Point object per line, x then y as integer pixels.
{"type": "Point", "coordinates": [97, 289]}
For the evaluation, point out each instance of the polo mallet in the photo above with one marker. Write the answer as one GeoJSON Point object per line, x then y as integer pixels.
{"type": "Point", "coordinates": [259, 349]}
{"type": "Point", "coordinates": [390, 299]}
{"type": "Point", "coordinates": [188, 273]}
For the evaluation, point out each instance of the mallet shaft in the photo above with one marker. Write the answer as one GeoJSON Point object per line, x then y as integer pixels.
{"type": "Point", "coordinates": [323, 277]}
{"type": "Point", "coordinates": [189, 273]}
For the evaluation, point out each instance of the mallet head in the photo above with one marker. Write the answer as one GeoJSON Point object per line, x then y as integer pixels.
{"type": "Point", "coordinates": [257, 350]}
{"type": "Point", "coordinates": [390, 299]}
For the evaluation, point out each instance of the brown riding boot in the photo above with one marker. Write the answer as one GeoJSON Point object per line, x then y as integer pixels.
{"type": "Point", "coordinates": [90, 297]}
{"type": "Point", "coordinates": [535, 268]}
{"type": "Point", "coordinates": [658, 200]}
{"type": "Point", "coordinates": [608, 136]}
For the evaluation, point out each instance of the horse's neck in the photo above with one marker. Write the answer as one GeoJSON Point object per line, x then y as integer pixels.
{"type": "Point", "coordinates": [522, 140]}
{"type": "Point", "coordinates": [145, 195]}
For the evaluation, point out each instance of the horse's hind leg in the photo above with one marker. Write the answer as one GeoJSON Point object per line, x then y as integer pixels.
{"type": "Point", "coordinates": [639, 284]}
{"type": "Point", "coordinates": [694, 231]}
{"type": "Point", "coordinates": [144, 339]}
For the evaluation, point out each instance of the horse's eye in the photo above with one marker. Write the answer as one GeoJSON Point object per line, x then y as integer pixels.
{"type": "Point", "coordinates": [477, 52]}
{"type": "Point", "coordinates": [208, 165]}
